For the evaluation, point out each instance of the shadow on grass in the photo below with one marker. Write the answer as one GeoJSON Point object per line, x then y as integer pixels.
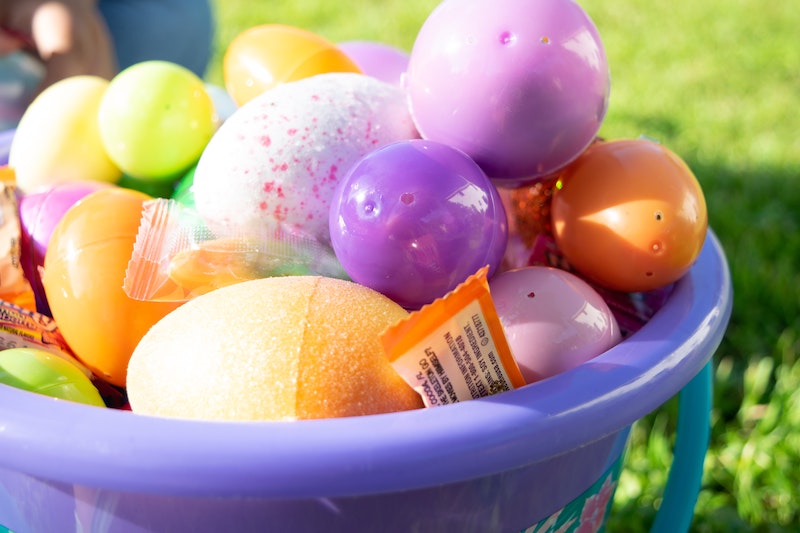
{"type": "Point", "coordinates": [755, 212]}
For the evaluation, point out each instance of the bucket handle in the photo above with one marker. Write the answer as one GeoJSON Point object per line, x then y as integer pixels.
{"type": "Point", "coordinates": [691, 444]}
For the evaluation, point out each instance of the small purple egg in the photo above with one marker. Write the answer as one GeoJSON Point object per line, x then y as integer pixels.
{"type": "Point", "coordinates": [414, 219]}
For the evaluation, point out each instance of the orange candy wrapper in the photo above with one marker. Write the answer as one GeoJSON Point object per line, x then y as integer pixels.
{"type": "Point", "coordinates": [179, 256]}
{"type": "Point", "coordinates": [14, 286]}
{"type": "Point", "coordinates": [454, 349]}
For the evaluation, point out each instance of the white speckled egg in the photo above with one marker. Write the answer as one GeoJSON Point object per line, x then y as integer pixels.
{"type": "Point", "coordinates": [278, 158]}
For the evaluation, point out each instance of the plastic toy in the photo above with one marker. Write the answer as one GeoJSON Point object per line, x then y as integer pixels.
{"type": "Point", "coordinates": [630, 215]}
{"type": "Point", "coordinates": [155, 119]}
{"type": "Point", "coordinates": [265, 56]}
{"type": "Point", "coordinates": [416, 218]}
{"type": "Point", "coordinates": [552, 319]}
{"type": "Point", "coordinates": [84, 269]}
{"type": "Point", "coordinates": [39, 371]}
{"type": "Point", "coordinates": [39, 212]}
{"type": "Point", "coordinates": [58, 138]}
{"type": "Point", "coordinates": [522, 89]}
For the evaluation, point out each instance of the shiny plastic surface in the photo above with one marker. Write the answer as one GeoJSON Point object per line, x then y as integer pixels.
{"type": "Point", "coordinates": [414, 219]}
{"type": "Point", "coordinates": [58, 138]}
{"type": "Point", "coordinates": [629, 214]}
{"type": "Point", "coordinates": [39, 371]}
{"type": "Point", "coordinates": [84, 269]}
{"type": "Point", "coordinates": [155, 119]}
{"type": "Point", "coordinates": [553, 320]}
{"type": "Point", "coordinates": [395, 452]}
{"type": "Point", "coordinates": [522, 89]}
{"type": "Point", "coordinates": [39, 212]}
{"type": "Point", "coordinates": [264, 56]}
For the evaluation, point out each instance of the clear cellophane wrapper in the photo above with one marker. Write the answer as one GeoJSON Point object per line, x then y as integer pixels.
{"type": "Point", "coordinates": [178, 255]}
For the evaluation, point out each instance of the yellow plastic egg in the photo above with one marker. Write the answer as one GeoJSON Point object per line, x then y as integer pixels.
{"type": "Point", "coordinates": [58, 138]}
{"type": "Point", "coordinates": [84, 271]}
{"type": "Point", "coordinates": [265, 56]}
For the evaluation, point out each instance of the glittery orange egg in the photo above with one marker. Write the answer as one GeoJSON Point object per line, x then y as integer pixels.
{"type": "Point", "coordinates": [281, 348]}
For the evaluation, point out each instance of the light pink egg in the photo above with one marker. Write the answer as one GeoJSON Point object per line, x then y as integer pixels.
{"type": "Point", "coordinates": [278, 158]}
{"type": "Point", "coordinates": [553, 320]}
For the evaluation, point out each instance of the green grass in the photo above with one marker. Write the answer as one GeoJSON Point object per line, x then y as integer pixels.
{"type": "Point", "coordinates": [718, 82]}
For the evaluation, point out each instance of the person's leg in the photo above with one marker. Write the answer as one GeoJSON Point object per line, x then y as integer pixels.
{"type": "Point", "coordinates": [180, 31]}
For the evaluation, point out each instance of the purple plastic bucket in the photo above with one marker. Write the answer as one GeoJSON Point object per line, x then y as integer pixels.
{"type": "Point", "coordinates": [502, 463]}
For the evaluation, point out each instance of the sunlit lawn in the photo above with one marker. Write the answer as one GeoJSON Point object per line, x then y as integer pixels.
{"type": "Point", "coordinates": [718, 82]}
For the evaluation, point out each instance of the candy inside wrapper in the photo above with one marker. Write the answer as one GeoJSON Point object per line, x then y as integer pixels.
{"type": "Point", "coordinates": [178, 255]}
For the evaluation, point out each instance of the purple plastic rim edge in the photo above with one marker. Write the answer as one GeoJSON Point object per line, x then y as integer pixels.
{"type": "Point", "coordinates": [60, 441]}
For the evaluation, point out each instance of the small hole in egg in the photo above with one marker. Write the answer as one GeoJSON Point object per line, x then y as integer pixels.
{"type": "Point", "coordinates": [507, 37]}
{"type": "Point", "coordinates": [407, 198]}
{"type": "Point", "coordinates": [659, 216]}
{"type": "Point", "coordinates": [648, 274]}
{"type": "Point", "coordinates": [531, 294]}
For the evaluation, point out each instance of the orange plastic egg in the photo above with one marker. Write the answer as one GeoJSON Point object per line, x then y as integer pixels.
{"type": "Point", "coordinates": [270, 54]}
{"type": "Point", "coordinates": [84, 270]}
{"type": "Point", "coordinates": [630, 215]}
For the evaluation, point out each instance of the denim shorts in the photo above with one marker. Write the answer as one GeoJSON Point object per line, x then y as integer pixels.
{"type": "Point", "coordinates": [180, 31]}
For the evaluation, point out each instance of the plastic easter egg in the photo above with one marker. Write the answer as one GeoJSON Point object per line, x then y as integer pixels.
{"type": "Point", "coordinates": [39, 212]}
{"type": "Point", "coordinates": [156, 118]}
{"type": "Point", "coordinates": [414, 219]}
{"type": "Point", "coordinates": [264, 56]}
{"type": "Point", "coordinates": [44, 373]}
{"type": "Point", "coordinates": [275, 163]}
{"type": "Point", "coordinates": [84, 270]}
{"type": "Point", "coordinates": [553, 320]}
{"type": "Point", "coordinates": [379, 60]}
{"type": "Point", "coordinates": [629, 215]}
{"type": "Point", "coordinates": [522, 89]}
{"type": "Point", "coordinates": [58, 138]}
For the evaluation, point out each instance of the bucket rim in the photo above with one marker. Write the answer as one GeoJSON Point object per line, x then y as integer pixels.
{"type": "Point", "coordinates": [354, 456]}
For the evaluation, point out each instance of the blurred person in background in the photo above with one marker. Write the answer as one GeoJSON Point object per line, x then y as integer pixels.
{"type": "Point", "coordinates": [102, 37]}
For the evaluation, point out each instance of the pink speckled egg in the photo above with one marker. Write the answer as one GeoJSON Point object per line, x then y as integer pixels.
{"type": "Point", "coordinates": [553, 320]}
{"type": "Point", "coordinates": [277, 160]}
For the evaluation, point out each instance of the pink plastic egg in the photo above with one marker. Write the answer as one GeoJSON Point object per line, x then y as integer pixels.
{"type": "Point", "coordinates": [522, 89]}
{"type": "Point", "coordinates": [553, 320]}
{"type": "Point", "coordinates": [39, 212]}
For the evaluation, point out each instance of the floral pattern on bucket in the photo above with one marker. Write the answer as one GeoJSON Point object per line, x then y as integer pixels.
{"type": "Point", "coordinates": [586, 513]}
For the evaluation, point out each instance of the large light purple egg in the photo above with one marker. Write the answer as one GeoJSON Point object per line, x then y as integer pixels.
{"type": "Point", "coordinates": [414, 219]}
{"type": "Point", "coordinates": [553, 320]}
{"type": "Point", "coordinates": [522, 89]}
{"type": "Point", "coordinates": [39, 212]}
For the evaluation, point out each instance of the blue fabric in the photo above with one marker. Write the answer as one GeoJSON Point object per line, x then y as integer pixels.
{"type": "Point", "coordinates": [180, 31]}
